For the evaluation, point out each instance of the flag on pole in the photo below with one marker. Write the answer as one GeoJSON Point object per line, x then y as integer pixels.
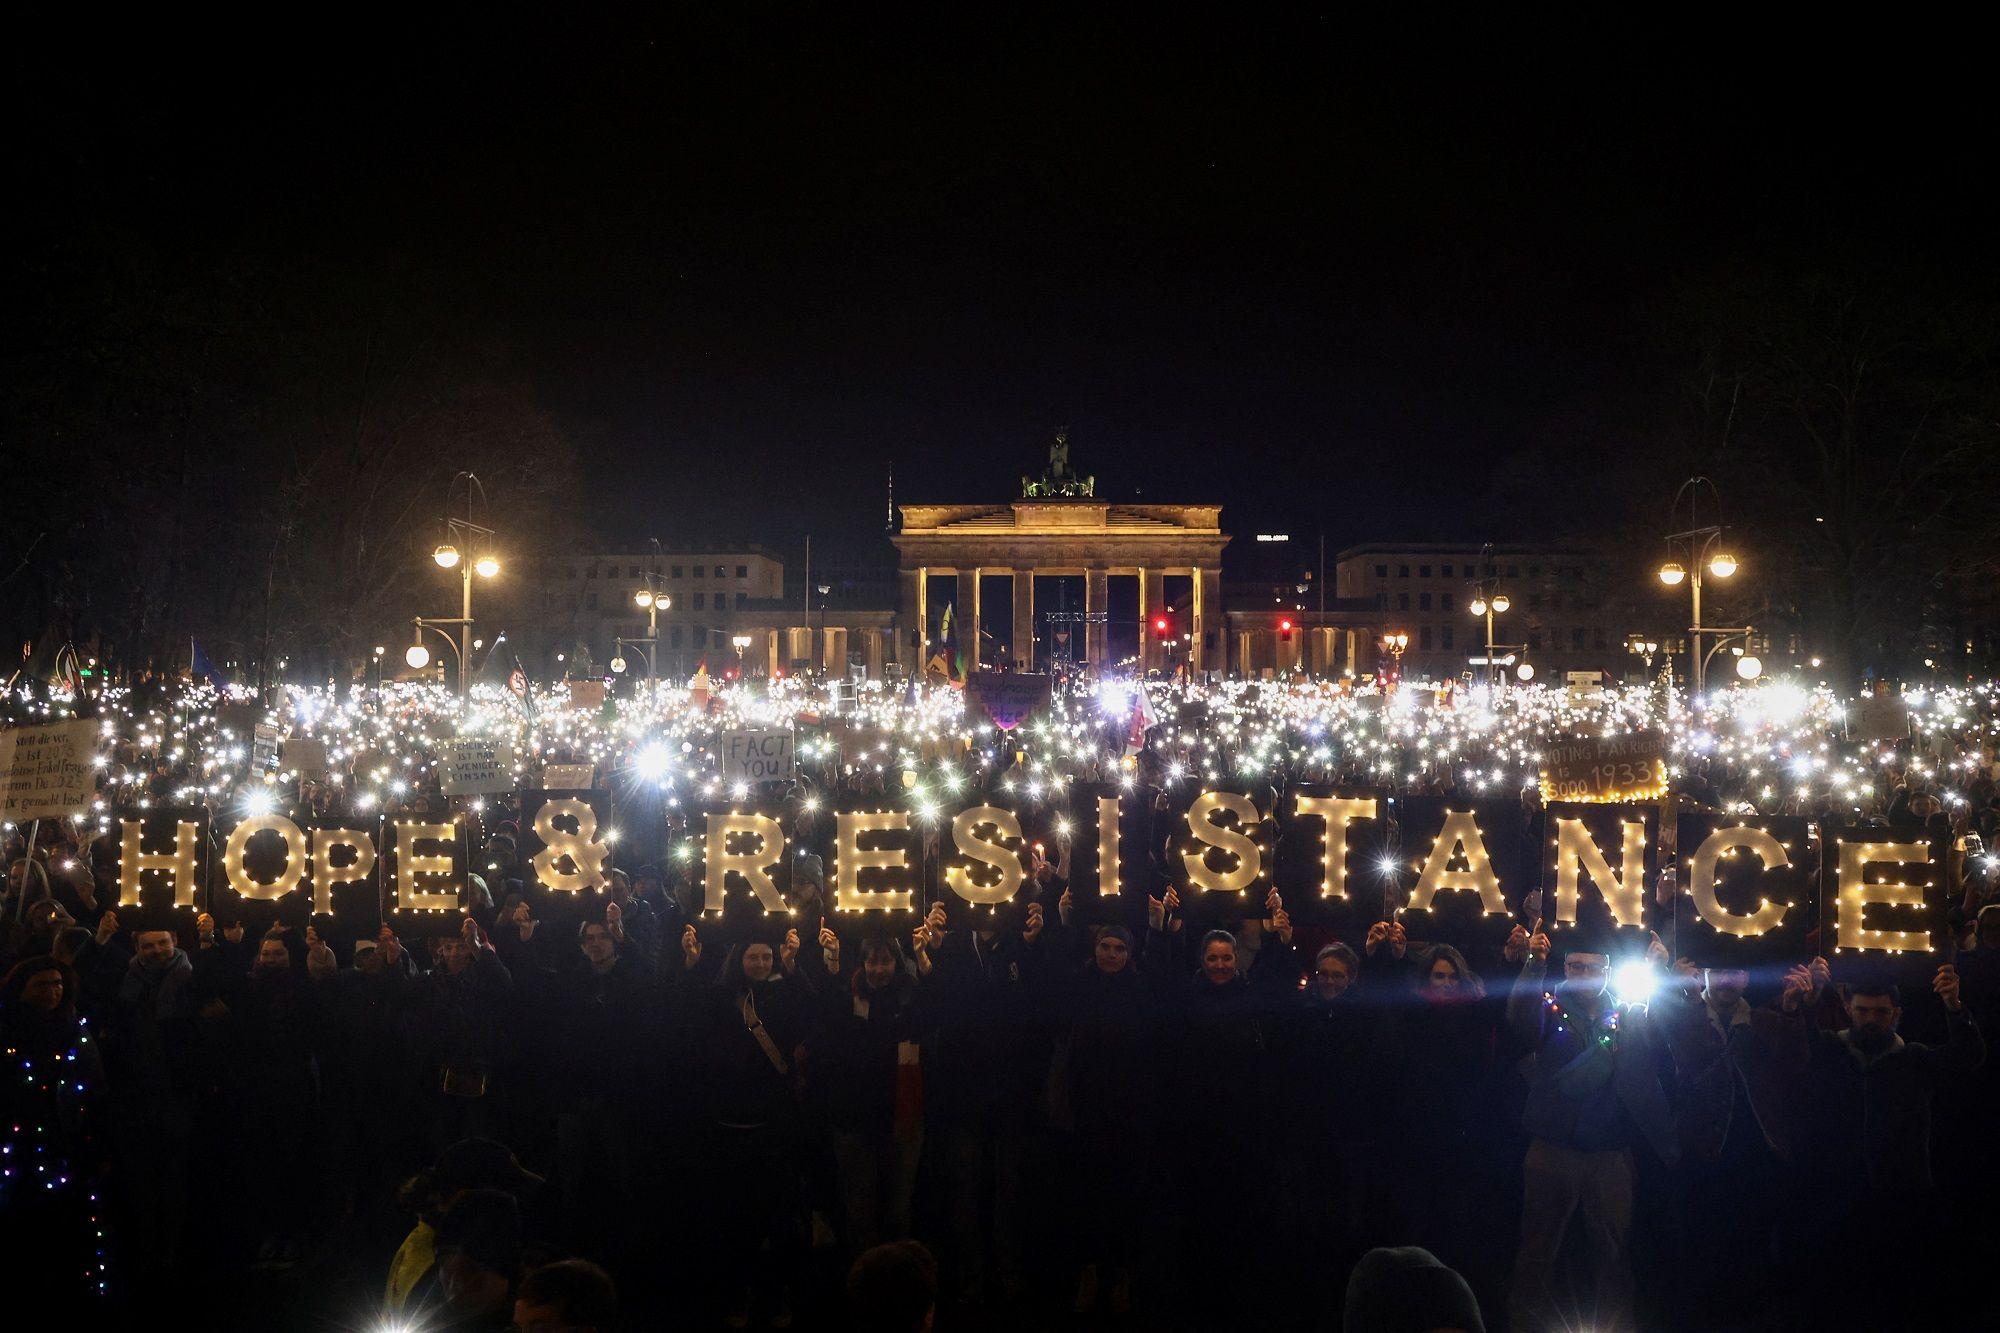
{"type": "Point", "coordinates": [949, 660]}
{"type": "Point", "coordinates": [202, 669]}
{"type": "Point", "coordinates": [1143, 718]}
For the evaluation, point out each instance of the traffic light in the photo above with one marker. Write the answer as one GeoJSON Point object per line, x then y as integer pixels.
{"type": "Point", "coordinates": [1163, 628]}
{"type": "Point", "coordinates": [1285, 628]}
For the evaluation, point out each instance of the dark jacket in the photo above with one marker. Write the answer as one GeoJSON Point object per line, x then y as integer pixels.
{"type": "Point", "coordinates": [1869, 1119]}
{"type": "Point", "coordinates": [987, 1054]}
{"type": "Point", "coordinates": [1580, 1068]}
{"type": "Point", "coordinates": [1754, 1067]}
{"type": "Point", "coordinates": [856, 1051]}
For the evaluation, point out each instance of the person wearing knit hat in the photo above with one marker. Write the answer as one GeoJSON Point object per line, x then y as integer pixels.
{"type": "Point", "coordinates": [1405, 1289]}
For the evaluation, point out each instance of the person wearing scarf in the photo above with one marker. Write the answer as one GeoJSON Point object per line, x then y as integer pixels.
{"type": "Point", "coordinates": [753, 1025]}
{"type": "Point", "coordinates": [866, 1077]}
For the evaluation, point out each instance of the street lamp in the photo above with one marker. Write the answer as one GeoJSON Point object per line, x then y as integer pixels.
{"type": "Point", "coordinates": [1394, 644]}
{"type": "Point", "coordinates": [1639, 646]}
{"type": "Point", "coordinates": [1704, 545]}
{"type": "Point", "coordinates": [484, 563]}
{"type": "Point", "coordinates": [1487, 602]}
{"type": "Point", "coordinates": [652, 600]}
{"type": "Point", "coordinates": [741, 642]}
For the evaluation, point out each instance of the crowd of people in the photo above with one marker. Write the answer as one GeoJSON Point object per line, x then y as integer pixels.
{"type": "Point", "coordinates": [1009, 1118]}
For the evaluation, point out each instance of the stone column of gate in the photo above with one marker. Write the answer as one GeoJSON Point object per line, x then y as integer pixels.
{"type": "Point", "coordinates": [909, 650]}
{"type": "Point", "coordinates": [1024, 618]}
{"type": "Point", "coordinates": [967, 617]}
{"type": "Point", "coordinates": [872, 641]}
{"type": "Point", "coordinates": [1097, 646]}
{"type": "Point", "coordinates": [1204, 618]}
{"type": "Point", "coordinates": [1152, 602]}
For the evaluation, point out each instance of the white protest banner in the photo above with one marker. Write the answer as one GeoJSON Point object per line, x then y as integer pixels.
{"type": "Point", "coordinates": [303, 756]}
{"type": "Point", "coordinates": [475, 766]}
{"type": "Point", "coordinates": [569, 777]}
{"type": "Point", "coordinates": [46, 771]}
{"type": "Point", "coordinates": [1879, 717]}
{"type": "Point", "coordinates": [756, 756]}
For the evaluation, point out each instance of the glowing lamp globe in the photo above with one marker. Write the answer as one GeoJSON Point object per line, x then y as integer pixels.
{"type": "Point", "coordinates": [486, 566]}
{"type": "Point", "coordinates": [1526, 671]}
{"type": "Point", "coordinates": [417, 656]}
{"type": "Point", "coordinates": [446, 555]}
{"type": "Point", "coordinates": [643, 598]}
{"type": "Point", "coordinates": [1672, 573]}
{"type": "Point", "coordinates": [1501, 603]}
{"type": "Point", "coordinates": [618, 666]}
{"type": "Point", "coordinates": [1478, 607]}
{"type": "Point", "coordinates": [1722, 565]}
{"type": "Point", "coordinates": [1748, 667]}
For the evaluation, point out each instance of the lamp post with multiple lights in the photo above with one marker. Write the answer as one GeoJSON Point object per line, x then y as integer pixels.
{"type": "Point", "coordinates": [1487, 602]}
{"type": "Point", "coordinates": [652, 598]}
{"type": "Point", "coordinates": [1704, 551]}
{"type": "Point", "coordinates": [1395, 644]}
{"type": "Point", "coordinates": [476, 558]}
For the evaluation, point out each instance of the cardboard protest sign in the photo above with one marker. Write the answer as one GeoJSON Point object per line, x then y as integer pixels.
{"type": "Point", "coordinates": [569, 777]}
{"type": "Point", "coordinates": [475, 766]}
{"type": "Point", "coordinates": [755, 756]}
{"type": "Point", "coordinates": [1009, 698]}
{"type": "Point", "coordinates": [1631, 767]}
{"type": "Point", "coordinates": [304, 756]}
{"type": "Point", "coordinates": [1878, 717]}
{"type": "Point", "coordinates": [47, 771]}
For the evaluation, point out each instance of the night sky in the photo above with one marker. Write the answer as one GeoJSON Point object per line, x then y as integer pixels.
{"type": "Point", "coordinates": [1341, 280]}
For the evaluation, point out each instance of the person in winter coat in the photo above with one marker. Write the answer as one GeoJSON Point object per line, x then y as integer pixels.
{"type": "Point", "coordinates": [1865, 1145]}
{"type": "Point", "coordinates": [1440, 1049]}
{"type": "Point", "coordinates": [1107, 1064]}
{"type": "Point", "coordinates": [752, 1024]}
{"type": "Point", "coordinates": [1331, 1067]}
{"type": "Point", "coordinates": [53, 1222]}
{"type": "Point", "coordinates": [866, 1075]}
{"type": "Point", "coordinates": [154, 1072]}
{"type": "Point", "coordinates": [1221, 1074]}
{"type": "Point", "coordinates": [986, 1065]}
{"type": "Point", "coordinates": [1594, 1096]}
{"type": "Point", "coordinates": [458, 1016]}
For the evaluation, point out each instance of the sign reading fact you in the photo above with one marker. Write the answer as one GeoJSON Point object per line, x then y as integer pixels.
{"type": "Point", "coordinates": [1606, 768]}
{"type": "Point", "coordinates": [756, 756]}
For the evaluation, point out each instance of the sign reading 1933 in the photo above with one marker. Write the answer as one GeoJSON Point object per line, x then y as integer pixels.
{"type": "Point", "coordinates": [1617, 768]}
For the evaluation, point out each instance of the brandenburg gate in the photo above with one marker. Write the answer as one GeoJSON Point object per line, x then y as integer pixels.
{"type": "Point", "coordinates": [1058, 527]}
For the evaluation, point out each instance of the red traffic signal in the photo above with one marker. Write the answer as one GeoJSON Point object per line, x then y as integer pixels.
{"type": "Point", "coordinates": [1285, 628]}
{"type": "Point", "coordinates": [1162, 626]}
